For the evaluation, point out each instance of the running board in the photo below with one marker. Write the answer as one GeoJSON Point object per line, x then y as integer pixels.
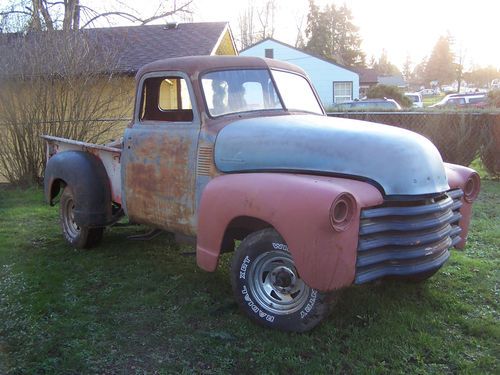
{"type": "Point", "coordinates": [153, 233]}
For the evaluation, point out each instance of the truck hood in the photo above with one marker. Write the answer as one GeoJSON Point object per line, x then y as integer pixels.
{"type": "Point", "coordinates": [399, 161]}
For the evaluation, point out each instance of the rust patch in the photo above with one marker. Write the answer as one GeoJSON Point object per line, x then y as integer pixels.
{"type": "Point", "coordinates": [159, 181]}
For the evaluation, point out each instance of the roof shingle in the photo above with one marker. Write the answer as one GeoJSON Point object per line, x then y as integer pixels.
{"type": "Point", "coordinates": [136, 46]}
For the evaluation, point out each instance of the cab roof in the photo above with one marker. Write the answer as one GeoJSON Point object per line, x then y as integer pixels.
{"type": "Point", "coordinates": [193, 65]}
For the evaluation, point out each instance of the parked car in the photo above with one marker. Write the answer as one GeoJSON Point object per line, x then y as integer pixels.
{"type": "Point", "coordinates": [430, 92]}
{"type": "Point", "coordinates": [227, 149]}
{"type": "Point", "coordinates": [416, 99]}
{"type": "Point", "coordinates": [475, 100]}
{"type": "Point", "coordinates": [447, 89]}
{"type": "Point", "coordinates": [368, 105]}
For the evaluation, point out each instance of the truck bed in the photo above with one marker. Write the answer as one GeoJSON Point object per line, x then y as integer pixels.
{"type": "Point", "coordinates": [109, 155]}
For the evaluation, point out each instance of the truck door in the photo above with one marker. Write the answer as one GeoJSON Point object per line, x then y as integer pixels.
{"type": "Point", "coordinates": [159, 154]}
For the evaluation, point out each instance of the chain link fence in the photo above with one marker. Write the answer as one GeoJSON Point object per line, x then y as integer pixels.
{"type": "Point", "coordinates": [461, 137]}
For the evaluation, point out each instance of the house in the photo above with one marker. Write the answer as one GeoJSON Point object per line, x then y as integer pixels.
{"type": "Point", "coordinates": [139, 45]}
{"type": "Point", "coordinates": [367, 78]}
{"type": "Point", "coordinates": [396, 80]}
{"type": "Point", "coordinates": [334, 83]}
{"type": "Point", "coordinates": [131, 47]}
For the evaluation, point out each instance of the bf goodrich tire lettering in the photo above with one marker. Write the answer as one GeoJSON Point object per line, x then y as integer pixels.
{"type": "Point", "coordinates": [269, 289]}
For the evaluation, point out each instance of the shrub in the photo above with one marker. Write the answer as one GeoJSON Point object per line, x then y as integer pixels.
{"type": "Point", "coordinates": [389, 92]}
{"type": "Point", "coordinates": [56, 83]}
{"type": "Point", "coordinates": [494, 98]}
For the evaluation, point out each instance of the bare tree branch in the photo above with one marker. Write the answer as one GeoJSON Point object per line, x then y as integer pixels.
{"type": "Point", "coordinates": [27, 13]}
{"type": "Point", "coordinates": [72, 15]}
{"type": "Point", "coordinates": [184, 8]}
{"type": "Point", "coordinates": [125, 15]}
{"type": "Point", "coordinates": [45, 14]}
{"type": "Point", "coordinates": [60, 84]}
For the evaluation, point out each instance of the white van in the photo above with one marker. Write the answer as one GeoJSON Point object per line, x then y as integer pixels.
{"type": "Point", "coordinates": [416, 99]}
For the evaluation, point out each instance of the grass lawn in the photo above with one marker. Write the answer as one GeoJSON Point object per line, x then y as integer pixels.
{"type": "Point", "coordinates": [144, 307]}
{"type": "Point", "coordinates": [430, 100]}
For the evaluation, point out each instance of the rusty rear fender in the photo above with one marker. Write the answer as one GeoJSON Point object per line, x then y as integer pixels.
{"type": "Point", "coordinates": [298, 207]}
{"type": "Point", "coordinates": [86, 176]}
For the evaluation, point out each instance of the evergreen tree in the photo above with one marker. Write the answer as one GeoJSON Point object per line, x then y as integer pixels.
{"type": "Point", "coordinates": [384, 67]}
{"type": "Point", "coordinates": [419, 73]}
{"type": "Point", "coordinates": [407, 71]}
{"type": "Point", "coordinates": [332, 34]}
{"type": "Point", "coordinates": [440, 66]}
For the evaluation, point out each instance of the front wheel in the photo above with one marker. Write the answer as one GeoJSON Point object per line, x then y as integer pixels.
{"type": "Point", "coordinates": [269, 289]}
{"type": "Point", "coordinates": [81, 237]}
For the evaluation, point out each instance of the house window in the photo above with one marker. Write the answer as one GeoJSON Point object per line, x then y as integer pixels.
{"type": "Point", "coordinates": [269, 53]}
{"type": "Point", "coordinates": [342, 92]}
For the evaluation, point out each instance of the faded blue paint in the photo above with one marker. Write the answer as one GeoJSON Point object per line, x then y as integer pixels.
{"type": "Point", "coordinates": [321, 72]}
{"type": "Point", "coordinates": [400, 161]}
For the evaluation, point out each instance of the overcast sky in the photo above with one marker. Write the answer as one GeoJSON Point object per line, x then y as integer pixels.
{"type": "Point", "coordinates": [402, 27]}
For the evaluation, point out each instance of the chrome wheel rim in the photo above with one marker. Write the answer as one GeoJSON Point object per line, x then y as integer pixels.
{"type": "Point", "coordinates": [71, 226]}
{"type": "Point", "coordinates": [275, 283]}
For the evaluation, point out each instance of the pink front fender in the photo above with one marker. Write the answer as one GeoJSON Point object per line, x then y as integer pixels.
{"type": "Point", "coordinates": [457, 178]}
{"type": "Point", "coordinates": [298, 207]}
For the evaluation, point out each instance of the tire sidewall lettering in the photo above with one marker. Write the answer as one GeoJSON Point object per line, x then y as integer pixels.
{"type": "Point", "coordinates": [255, 308]}
{"type": "Point", "coordinates": [244, 266]}
{"type": "Point", "coordinates": [259, 311]}
{"type": "Point", "coordinates": [304, 317]}
{"type": "Point", "coordinates": [310, 304]}
{"type": "Point", "coordinates": [280, 246]}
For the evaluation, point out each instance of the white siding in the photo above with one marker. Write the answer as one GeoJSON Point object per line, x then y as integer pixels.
{"type": "Point", "coordinates": [322, 73]}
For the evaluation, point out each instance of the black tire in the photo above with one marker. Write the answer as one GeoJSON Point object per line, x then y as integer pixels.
{"type": "Point", "coordinates": [269, 290]}
{"type": "Point", "coordinates": [75, 235]}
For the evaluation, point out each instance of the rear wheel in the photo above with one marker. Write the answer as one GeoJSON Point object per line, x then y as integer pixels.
{"type": "Point", "coordinates": [269, 289]}
{"type": "Point", "coordinates": [81, 237]}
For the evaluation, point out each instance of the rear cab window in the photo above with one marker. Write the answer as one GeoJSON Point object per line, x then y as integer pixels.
{"type": "Point", "coordinates": [167, 99]}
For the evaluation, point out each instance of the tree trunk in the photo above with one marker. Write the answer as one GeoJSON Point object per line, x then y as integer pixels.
{"type": "Point", "coordinates": [45, 14]}
{"type": "Point", "coordinates": [35, 23]}
{"type": "Point", "coordinates": [70, 14]}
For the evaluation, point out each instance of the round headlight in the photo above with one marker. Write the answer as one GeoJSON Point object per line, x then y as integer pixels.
{"type": "Point", "coordinates": [471, 188]}
{"type": "Point", "coordinates": [342, 211]}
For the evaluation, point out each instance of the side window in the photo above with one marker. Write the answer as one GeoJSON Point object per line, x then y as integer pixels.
{"type": "Point", "coordinates": [456, 101]}
{"type": "Point", "coordinates": [166, 99]}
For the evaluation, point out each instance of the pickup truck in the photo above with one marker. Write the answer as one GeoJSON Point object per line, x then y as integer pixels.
{"type": "Point", "coordinates": [237, 154]}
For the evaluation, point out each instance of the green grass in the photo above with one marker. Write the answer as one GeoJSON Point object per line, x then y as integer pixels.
{"type": "Point", "coordinates": [144, 308]}
{"type": "Point", "coordinates": [430, 100]}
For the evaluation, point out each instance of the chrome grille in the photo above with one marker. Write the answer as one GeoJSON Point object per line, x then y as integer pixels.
{"type": "Point", "coordinates": [404, 238]}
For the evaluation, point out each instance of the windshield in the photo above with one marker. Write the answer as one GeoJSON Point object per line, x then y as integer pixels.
{"type": "Point", "coordinates": [414, 98]}
{"type": "Point", "coordinates": [244, 90]}
{"type": "Point", "coordinates": [234, 91]}
{"type": "Point", "coordinates": [296, 92]}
